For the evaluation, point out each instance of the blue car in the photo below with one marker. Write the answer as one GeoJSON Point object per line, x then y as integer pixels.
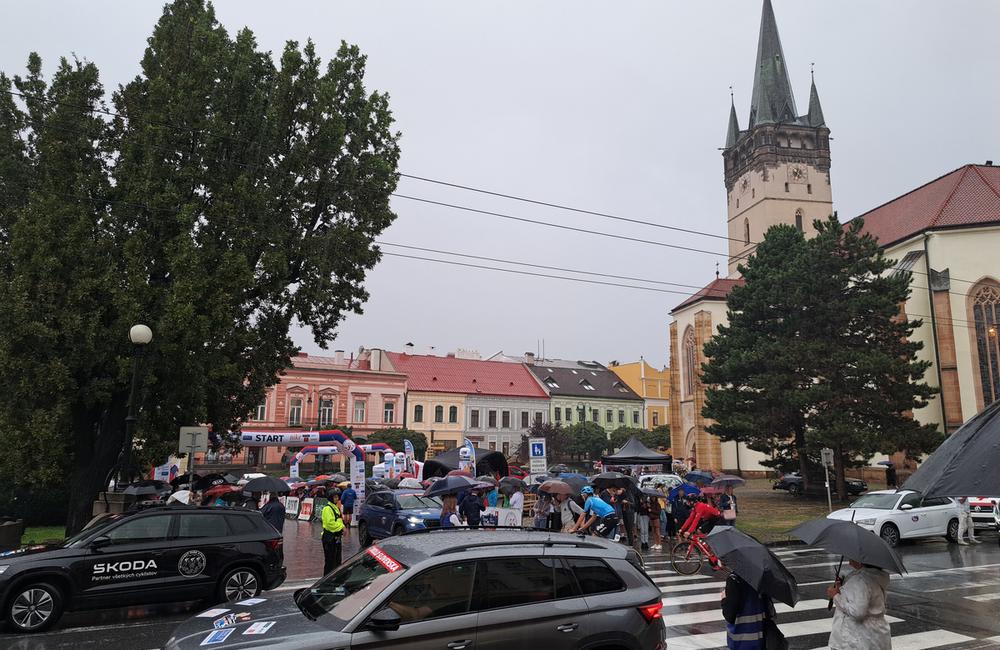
{"type": "Point", "coordinates": [394, 512]}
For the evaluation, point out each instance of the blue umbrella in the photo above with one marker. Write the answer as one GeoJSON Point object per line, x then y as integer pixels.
{"type": "Point", "coordinates": [686, 488]}
{"type": "Point", "coordinates": [704, 477]}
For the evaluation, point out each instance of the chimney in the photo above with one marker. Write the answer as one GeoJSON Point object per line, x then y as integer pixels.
{"type": "Point", "coordinates": [989, 163]}
{"type": "Point", "coordinates": [302, 354]}
{"type": "Point", "coordinates": [529, 358]}
{"type": "Point", "coordinates": [338, 357]}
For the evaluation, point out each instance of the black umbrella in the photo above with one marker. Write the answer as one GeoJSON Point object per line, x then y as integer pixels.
{"type": "Point", "coordinates": [184, 478]}
{"type": "Point", "coordinates": [209, 481]}
{"type": "Point", "coordinates": [145, 488]}
{"type": "Point", "coordinates": [510, 484]}
{"type": "Point", "coordinates": [558, 469]}
{"type": "Point", "coordinates": [338, 477]}
{"type": "Point", "coordinates": [966, 462]}
{"type": "Point", "coordinates": [453, 485]}
{"type": "Point", "coordinates": [266, 484]}
{"type": "Point", "coordinates": [850, 540]}
{"type": "Point", "coordinates": [577, 483]}
{"type": "Point", "coordinates": [610, 479]}
{"type": "Point", "coordinates": [392, 483]}
{"type": "Point", "coordinates": [230, 478]}
{"type": "Point", "coordinates": [755, 564]}
{"type": "Point", "coordinates": [486, 479]}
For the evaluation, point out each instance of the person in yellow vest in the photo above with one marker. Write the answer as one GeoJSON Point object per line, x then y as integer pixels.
{"type": "Point", "coordinates": [333, 531]}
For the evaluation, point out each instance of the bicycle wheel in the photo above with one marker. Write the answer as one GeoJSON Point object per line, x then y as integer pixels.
{"type": "Point", "coordinates": [686, 558]}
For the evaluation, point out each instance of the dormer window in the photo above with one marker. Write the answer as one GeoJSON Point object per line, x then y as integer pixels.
{"type": "Point", "coordinates": [550, 382]}
{"type": "Point", "coordinates": [586, 384]}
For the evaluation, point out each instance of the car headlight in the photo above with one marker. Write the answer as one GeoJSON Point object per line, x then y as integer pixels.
{"type": "Point", "coordinates": [865, 522]}
{"type": "Point", "coordinates": [3, 567]}
{"type": "Point", "coordinates": [415, 520]}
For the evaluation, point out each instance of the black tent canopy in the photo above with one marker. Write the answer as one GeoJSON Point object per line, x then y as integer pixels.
{"type": "Point", "coordinates": [487, 462]}
{"type": "Point", "coordinates": [634, 452]}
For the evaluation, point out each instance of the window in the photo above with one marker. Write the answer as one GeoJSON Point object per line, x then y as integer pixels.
{"type": "Point", "coordinates": [621, 416]}
{"type": "Point", "coordinates": [569, 414]}
{"type": "Point", "coordinates": [656, 419]}
{"type": "Point", "coordinates": [595, 577]}
{"type": "Point", "coordinates": [985, 301]}
{"type": "Point", "coordinates": [551, 383]}
{"type": "Point", "coordinates": [418, 413]}
{"type": "Point", "coordinates": [506, 449]}
{"type": "Point", "coordinates": [505, 419]}
{"type": "Point", "coordinates": [786, 187]}
{"type": "Point", "coordinates": [609, 416]}
{"type": "Point", "coordinates": [325, 412]}
{"type": "Point", "coordinates": [359, 410]}
{"type": "Point", "coordinates": [746, 231]}
{"type": "Point", "coordinates": [344, 592]}
{"type": "Point", "coordinates": [493, 446]}
{"type": "Point", "coordinates": [441, 591]}
{"type": "Point", "coordinates": [809, 188]}
{"type": "Point", "coordinates": [538, 417]}
{"type": "Point", "coordinates": [453, 414]}
{"type": "Point", "coordinates": [295, 412]}
{"type": "Point", "coordinates": [143, 529]}
{"type": "Point", "coordinates": [586, 384]}
{"type": "Point", "coordinates": [474, 418]}
{"type": "Point", "coordinates": [439, 413]}
{"type": "Point", "coordinates": [558, 414]}
{"type": "Point", "coordinates": [240, 525]}
{"type": "Point", "coordinates": [525, 419]}
{"type": "Point", "coordinates": [753, 193]}
{"type": "Point", "coordinates": [491, 419]}
{"type": "Point", "coordinates": [635, 417]}
{"type": "Point", "coordinates": [201, 526]}
{"type": "Point", "coordinates": [260, 413]}
{"type": "Point", "coordinates": [388, 413]}
{"type": "Point", "coordinates": [798, 220]}
{"type": "Point", "coordinates": [510, 582]}
{"type": "Point", "coordinates": [913, 499]}
{"type": "Point", "coordinates": [689, 361]}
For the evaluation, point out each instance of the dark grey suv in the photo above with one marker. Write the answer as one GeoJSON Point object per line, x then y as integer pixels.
{"type": "Point", "coordinates": [456, 589]}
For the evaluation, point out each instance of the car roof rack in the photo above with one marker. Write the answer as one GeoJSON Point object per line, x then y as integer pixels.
{"type": "Point", "coordinates": [580, 541]}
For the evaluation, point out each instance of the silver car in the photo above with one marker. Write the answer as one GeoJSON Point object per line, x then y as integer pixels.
{"type": "Point", "coordinates": [454, 589]}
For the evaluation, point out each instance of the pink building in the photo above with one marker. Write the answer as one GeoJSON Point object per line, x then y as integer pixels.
{"type": "Point", "coordinates": [327, 392]}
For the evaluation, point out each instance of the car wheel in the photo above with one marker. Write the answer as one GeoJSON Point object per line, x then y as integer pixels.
{"type": "Point", "coordinates": [34, 607]}
{"type": "Point", "coordinates": [952, 533]}
{"type": "Point", "coordinates": [363, 535]}
{"type": "Point", "coordinates": [890, 534]}
{"type": "Point", "coordinates": [239, 584]}
{"type": "Point", "coordinates": [795, 489]}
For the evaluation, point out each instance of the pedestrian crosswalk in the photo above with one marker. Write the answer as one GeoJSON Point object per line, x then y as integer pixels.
{"type": "Point", "coordinates": [692, 611]}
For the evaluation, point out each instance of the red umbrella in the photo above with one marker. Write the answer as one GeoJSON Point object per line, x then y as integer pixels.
{"type": "Point", "coordinates": [219, 490]}
{"type": "Point", "coordinates": [405, 475]}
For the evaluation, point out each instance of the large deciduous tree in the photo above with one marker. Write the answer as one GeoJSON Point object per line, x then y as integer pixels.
{"type": "Point", "coordinates": [220, 198]}
{"type": "Point", "coordinates": [817, 354]}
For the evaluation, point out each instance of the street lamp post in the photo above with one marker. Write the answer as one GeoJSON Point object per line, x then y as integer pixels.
{"type": "Point", "coordinates": [140, 336]}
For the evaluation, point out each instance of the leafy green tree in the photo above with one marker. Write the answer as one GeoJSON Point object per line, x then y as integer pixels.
{"type": "Point", "coordinates": [230, 197]}
{"type": "Point", "coordinates": [394, 437]}
{"type": "Point", "coordinates": [815, 353]}
{"type": "Point", "coordinates": [587, 440]}
{"type": "Point", "coordinates": [556, 441]}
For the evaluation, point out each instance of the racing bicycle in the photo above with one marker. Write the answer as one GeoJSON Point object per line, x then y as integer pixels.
{"type": "Point", "coordinates": [688, 555]}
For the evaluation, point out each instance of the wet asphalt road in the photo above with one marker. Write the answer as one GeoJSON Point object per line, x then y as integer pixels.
{"type": "Point", "coordinates": [950, 599]}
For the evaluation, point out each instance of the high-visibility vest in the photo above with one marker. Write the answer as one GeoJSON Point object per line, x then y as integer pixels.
{"type": "Point", "coordinates": [747, 633]}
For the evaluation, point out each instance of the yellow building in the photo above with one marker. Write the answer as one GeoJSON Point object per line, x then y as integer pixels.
{"type": "Point", "coordinates": [653, 386]}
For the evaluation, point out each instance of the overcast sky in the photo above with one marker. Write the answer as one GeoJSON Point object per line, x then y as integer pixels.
{"type": "Point", "coordinates": [615, 107]}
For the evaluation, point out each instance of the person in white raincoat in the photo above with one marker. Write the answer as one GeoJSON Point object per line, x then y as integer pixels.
{"type": "Point", "coordinates": [859, 620]}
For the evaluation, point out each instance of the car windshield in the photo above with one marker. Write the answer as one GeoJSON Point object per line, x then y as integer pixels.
{"type": "Point", "coordinates": [877, 501]}
{"type": "Point", "coordinates": [341, 595]}
{"type": "Point", "coordinates": [417, 502]}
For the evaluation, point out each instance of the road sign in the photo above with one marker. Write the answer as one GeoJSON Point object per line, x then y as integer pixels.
{"type": "Point", "coordinates": [537, 462]}
{"type": "Point", "coordinates": [827, 456]}
{"type": "Point", "coordinates": [537, 447]}
{"type": "Point", "coordinates": [193, 439]}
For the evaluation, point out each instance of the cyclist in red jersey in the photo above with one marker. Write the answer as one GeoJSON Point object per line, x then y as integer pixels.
{"type": "Point", "coordinates": [703, 514]}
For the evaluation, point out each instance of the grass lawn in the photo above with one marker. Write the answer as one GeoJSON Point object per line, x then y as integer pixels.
{"type": "Point", "coordinates": [39, 534]}
{"type": "Point", "coordinates": [769, 514]}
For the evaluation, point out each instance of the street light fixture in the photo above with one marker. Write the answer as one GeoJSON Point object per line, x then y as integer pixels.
{"type": "Point", "coordinates": [140, 335]}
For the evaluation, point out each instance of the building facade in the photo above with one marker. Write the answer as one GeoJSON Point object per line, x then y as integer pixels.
{"type": "Point", "coordinates": [653, 386]}
{"type": "Point", "coordinates": [587, 391]}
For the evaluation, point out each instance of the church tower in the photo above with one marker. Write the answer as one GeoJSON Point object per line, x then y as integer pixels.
{"type": "Point", "coordinates": [777, 170]}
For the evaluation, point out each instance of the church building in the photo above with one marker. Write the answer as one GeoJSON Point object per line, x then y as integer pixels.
{"type": "Point", "coordinates": [777, 171]}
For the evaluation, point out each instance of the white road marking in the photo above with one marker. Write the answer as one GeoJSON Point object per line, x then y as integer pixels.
{"type": "Point", "coordinates": [718, 639]}
{"type": "Point", "coordinates": [660, 579]}
{"type": "Point", "coordinates": [707, 616]}
{"type": "Point", "coordinates": [690, 600]}
{"type": "Point", "coordinates": [924, 640]}
{"type": "Point", "coordinates": [982, 598]}
{"type": "Point", "coordinates": [791, 567]}
{"type": "Point", "coordinates": [716, 585]}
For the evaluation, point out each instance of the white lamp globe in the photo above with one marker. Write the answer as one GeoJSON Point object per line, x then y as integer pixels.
{"type": "Point", "coordinates": [140, 335]}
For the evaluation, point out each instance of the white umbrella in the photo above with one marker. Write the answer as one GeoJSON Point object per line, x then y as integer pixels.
{"type": "Point", "coordinates": [181, 496]}
{"type": "Point", "coordinates": [410, 483]}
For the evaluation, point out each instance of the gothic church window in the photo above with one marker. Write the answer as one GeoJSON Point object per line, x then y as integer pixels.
{"type": "Point", "coordinates": [690, 358]}
{"type": "Point", "coordinates": [798, 220]}
{"type": "Point", "coordinates": [986, 315]}
{"type": "Point", "coordinates": [746, 232]}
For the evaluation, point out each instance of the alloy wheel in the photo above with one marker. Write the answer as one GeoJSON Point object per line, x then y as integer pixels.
{"type": "Point", "coordinates": [32, 608]}
{"type": "Point", "coordinates": [241, 584]}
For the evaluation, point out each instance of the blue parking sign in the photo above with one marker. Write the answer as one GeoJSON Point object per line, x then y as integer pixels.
{"type": "Point", "coordinates": [537, 449]}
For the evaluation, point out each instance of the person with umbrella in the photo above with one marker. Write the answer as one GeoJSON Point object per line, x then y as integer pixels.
{"type": "Point", "coordinates": [333, 531]}
{"type": "Point", "coordinates": [274, 513]}
{"type": "Point", "coordinates": [891, 481]}
{"type": "Point", "coordinates": [860, 601]}
{"type": "Point", "coordinates": [472, 508]}
{"type": "Point", "coordinates": [449, 511]}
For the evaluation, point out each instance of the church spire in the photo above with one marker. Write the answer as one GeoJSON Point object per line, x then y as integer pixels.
{"type": "Point", "coordinates": [815, 110]}
{"type": "Point", "coordinates": [772, 99]}
{"type": "Point", "coordinates": [734, 124]}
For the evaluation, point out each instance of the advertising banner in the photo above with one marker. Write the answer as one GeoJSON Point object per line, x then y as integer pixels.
{"type": "Point", "coordinates": [467, 458]}
{"type": "Point", "coordinates": [358, 480]}
{"type": "Point", "coordinates": [291, 507]}
{"type": "Point", "coordinates": [500, 517]}
{"type": "Point", "coordinates": [411, 457]}
{"type": "Point", "coordinates": [306, 509]}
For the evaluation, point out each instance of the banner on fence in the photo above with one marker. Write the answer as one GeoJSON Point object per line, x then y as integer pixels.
{"type": "Point", "coordinates": [291, 507]}
{"type": "Point", "coordinates": [306, 509]}
{"type": "Point", "coordinates": [500, 517]}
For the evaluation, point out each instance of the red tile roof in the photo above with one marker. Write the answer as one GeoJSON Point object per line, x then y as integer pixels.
{"type": "Point", "coordinates": [968, 196]}
{"type": "Point", "coordinates": [466, 376]}
{"type": "Point", "coordinates": [717, 289]}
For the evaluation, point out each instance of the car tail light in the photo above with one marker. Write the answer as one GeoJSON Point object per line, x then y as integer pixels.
{"type": "Point", "coordinates": [651, 612]}
{"type": "Point", "coordinates": [274, 544]}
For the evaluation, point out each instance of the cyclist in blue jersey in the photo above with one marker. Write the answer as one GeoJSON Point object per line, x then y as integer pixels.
{"type": "Point", "coordinates": [595, 511]}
